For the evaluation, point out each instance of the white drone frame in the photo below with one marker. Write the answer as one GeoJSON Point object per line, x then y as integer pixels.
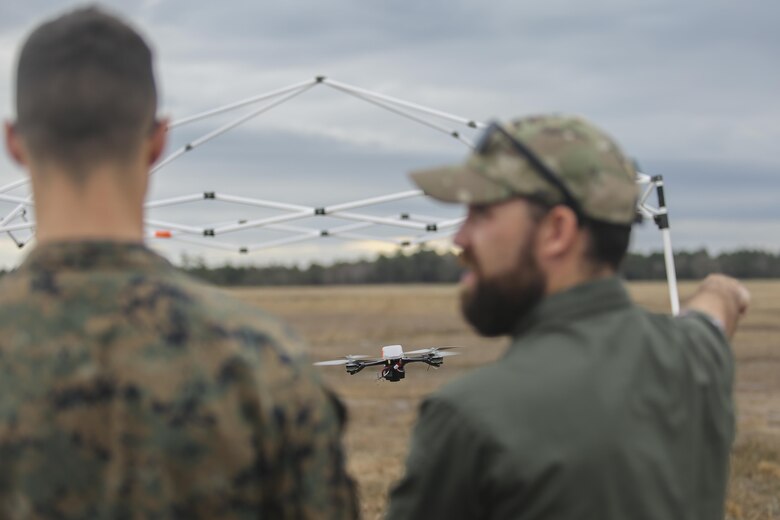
{"type": "Point", "coordinates": [427, 228]}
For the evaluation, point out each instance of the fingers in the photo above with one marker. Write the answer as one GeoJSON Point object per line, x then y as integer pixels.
{"type": "Point", "coordinates": [730, 288]}
{"type": "Point", "coordinates": [723, 298]}
{"type": "Point", "coordinates": [743, 298]}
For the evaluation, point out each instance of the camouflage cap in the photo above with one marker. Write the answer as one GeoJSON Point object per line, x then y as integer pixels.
{"type": "Point", "coordinates": [599, 177]}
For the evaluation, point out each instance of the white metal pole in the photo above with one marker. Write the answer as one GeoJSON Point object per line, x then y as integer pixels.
{"type": "Point", "coordinates": [173, 156]}
{"type": "Point", "coordinates": [239, 104]}
{"type": "Point", "coordinates": [214, 244]}
{"type": "Point", "coordinates": [22, 201]}
{"type": "Point", "coordinates": [407, 104]}
{"type": "Point", "coordinates": [229, 126]}
{"type": "Point", "coordinates": [429, 124]}
{"type": "Point", "coordinates": [450, 223]}
{"type": "Point", "coordinates": [671, 272]}
{"type": "Point", "coordinates": [263, 222]}
{"type": "Point", "coordinates": [385, 221]}
{"type": "Point", "coordinates": [13, 185]}
{"type": "Point", "coordinates": [17, 227]}
{"type": "Point", "coordinates": [261, 203]}
{"type": "Point", "coordinates": [373, 200]}
{"type": "Point", "coordinates": [646, 194]}
{"type": "Point", "coordinates": [319, 232]}
{"type": "Point", "coordinates": [415, 217]}
{"type": "Point", "coordinates": [662, 220]}
{"type": "Point", "coordinates": [173, 201]}
{"type": "Point", "coordinates": [281, 242]}
{"type": "Point", "coordinates": [171, 225]}
{"type": "Point", "coordinates": [246, 117]}
{"type": "Point", "coordinates": [14, 213]}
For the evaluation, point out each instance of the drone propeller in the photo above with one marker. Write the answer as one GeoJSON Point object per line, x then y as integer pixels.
{"type": "Point", "coordinates": [434, 350]}
{"type": "Point", "coordinates": [445, 354]}
{"type": "Point", "coordinates": [332, 362]}
{"type": "Point", "coordinates": [344, 361]}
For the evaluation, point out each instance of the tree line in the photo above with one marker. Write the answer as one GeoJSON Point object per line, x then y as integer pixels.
{"type": "Point", "coordinates": [427, 266]}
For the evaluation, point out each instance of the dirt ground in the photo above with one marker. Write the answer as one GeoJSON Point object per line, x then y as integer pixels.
{"type": "Point", "coordinates": [360, 320]}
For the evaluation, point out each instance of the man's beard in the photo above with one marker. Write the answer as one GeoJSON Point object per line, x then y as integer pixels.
{"type": "Point", "coordinates": [496, 305]}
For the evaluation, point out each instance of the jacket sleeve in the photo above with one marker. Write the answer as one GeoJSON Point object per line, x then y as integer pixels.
{"type": "Point", "coordinates": [446, 458]}
{"type": "Point", "coordinates": [311, 475]}
{"type": "Point", "coordinates": [295, 428]}
{"type": "Point", "coordinates": [327, 490]}
{"type": "Point", "coordinates": [711, 363]}
{"type": "Point", "coordinates": [708, 350]}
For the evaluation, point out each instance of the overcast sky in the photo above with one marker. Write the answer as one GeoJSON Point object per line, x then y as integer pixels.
{"type": "Point", "coordinates": [690, 89]}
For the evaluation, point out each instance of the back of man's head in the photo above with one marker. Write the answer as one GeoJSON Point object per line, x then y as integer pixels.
{"type": "Point", "coordinates": [85, 91]}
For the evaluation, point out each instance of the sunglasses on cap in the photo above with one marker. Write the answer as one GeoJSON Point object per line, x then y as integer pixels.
{"type": "Point", "coordinates": [550, 176]}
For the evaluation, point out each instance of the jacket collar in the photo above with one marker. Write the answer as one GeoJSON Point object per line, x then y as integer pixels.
{"type": "Point", "coordinates": [93, 255]}
{"type": "Point", "coordinates": [579, 301]}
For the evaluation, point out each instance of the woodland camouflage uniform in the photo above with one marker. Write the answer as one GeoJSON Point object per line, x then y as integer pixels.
{"type": "Point", "coordinates": [127, 390]}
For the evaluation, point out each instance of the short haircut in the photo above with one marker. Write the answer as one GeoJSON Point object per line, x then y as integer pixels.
{"type": "Point", "coordinates": [85, 90]}
{"type": "Point", "coordinates": [607, 242]}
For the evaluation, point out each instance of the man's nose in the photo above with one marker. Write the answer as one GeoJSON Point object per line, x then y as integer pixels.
{"type": "Point", "coordinates": [461, 237]}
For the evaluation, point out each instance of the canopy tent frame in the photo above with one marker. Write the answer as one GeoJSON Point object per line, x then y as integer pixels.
{"type": "Point", "coordinates": [424, 228]}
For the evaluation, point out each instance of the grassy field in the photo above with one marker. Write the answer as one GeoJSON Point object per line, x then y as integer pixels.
{"type": "Point", "coordinates": [359, 320]}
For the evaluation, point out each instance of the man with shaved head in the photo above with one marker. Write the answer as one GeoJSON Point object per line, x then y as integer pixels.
{"type": "Point", "coordinates": [128, 390]}
{"type": "Point", "coordinates": [599, 409]}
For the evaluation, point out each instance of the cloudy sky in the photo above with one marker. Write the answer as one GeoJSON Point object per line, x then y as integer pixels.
{"type": "Point", "coordinates": [690, 89]}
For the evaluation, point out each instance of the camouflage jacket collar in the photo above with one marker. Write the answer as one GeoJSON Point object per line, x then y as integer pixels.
{"type": "Point", "coordinates": [581, 301]}
{"type": "Point", "coordinates": [90, 255]}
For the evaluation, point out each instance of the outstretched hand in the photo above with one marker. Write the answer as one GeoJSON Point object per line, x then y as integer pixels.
{"type": "Point", "coordinates": [723, 298]}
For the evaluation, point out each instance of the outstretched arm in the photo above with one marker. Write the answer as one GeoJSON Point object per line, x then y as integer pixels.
{"type": "Point", "coordinates": [723, 298]}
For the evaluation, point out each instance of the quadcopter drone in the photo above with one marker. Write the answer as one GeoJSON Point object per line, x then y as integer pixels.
{"type": "Point", "coordinates": [393, 361]}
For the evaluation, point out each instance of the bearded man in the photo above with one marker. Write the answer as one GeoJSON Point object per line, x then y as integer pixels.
{"type": "Point", "coordinates": [599, 409]}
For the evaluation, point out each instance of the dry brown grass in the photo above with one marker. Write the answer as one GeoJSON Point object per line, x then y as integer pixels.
{"type": "Point", "coordinates": [337, 321]}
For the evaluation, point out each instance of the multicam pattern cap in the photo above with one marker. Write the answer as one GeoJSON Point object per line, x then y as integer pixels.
{"type": "Point", "coordinates": [586, 160]}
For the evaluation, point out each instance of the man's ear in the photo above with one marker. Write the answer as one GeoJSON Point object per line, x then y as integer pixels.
{"type": "Point", "coordinates": [14, 145]}
{"type": "Point", "coordinates": [557, 234]}
{"type": "Point", "coordinates": [158, 140]}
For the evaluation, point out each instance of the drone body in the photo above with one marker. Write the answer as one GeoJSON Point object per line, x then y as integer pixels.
{"type": "Point", "coordinates": [393, 361]}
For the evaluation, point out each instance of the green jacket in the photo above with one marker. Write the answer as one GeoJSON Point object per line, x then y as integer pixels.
{"type": "Point", "coordinates": [128, 390]}
{"type": "Point", "coordinates": [599, 410]}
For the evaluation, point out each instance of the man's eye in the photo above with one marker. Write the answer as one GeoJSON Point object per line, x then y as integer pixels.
{"type": "Point", "coordinates": [479, 211]}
